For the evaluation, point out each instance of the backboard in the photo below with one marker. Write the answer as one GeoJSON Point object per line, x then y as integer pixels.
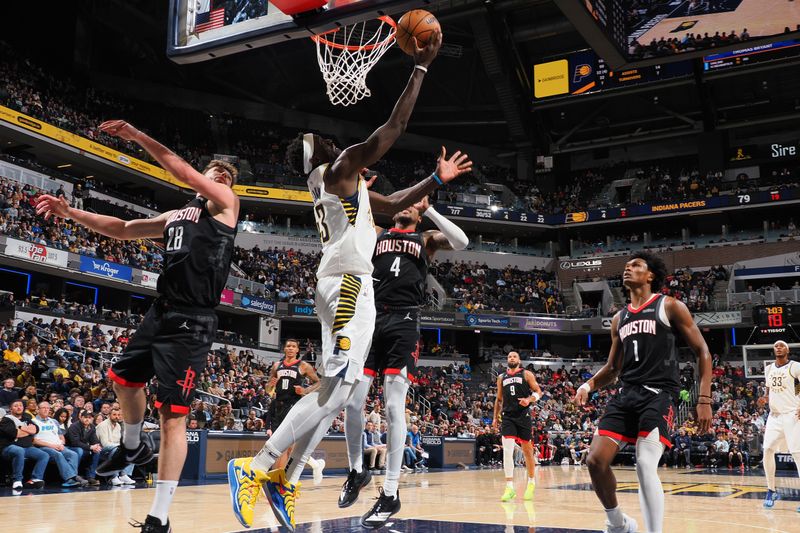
{"type": "Point", "coordinates": [200, 30]}
{"type": "Point", "coordinates": [756, 356]}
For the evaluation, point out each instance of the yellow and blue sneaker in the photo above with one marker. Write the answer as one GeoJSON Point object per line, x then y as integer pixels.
{"type": "Point", "coordinates": [245, 485]}
{"type": "Point", "coordinates": [282, 496]}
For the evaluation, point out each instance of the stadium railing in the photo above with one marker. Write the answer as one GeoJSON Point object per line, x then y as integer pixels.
{"type": "Point", "coordinates": [746, 300]}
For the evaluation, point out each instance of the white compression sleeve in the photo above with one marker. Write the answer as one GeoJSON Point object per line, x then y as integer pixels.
{"type": "Point", "coordinates": [354, 424]}
{"type": "Point", "coordinates": [303, 419]}
{"type": "Point", "coordinates": [769, 467]}
{"type": "Point", "coordinates": [455, 235]}
{"type": "Point", "coordinates": [395, 388]}
{"type": "Point", "coordinates": [651, 494]}
{"type": "Point", "coordinates": [508, 458]}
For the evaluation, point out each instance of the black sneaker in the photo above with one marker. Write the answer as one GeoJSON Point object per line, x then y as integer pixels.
{"type": "Point", "coordinates": [123, 457]}
{"type": "Point", "coordinates": [152, 525]}
{"type": "Point", "coordinates": [355, 482]}
{"type": "Point", "coordinates": [34, 484]}
{"type": "Point", "coordinates": [382, 511]}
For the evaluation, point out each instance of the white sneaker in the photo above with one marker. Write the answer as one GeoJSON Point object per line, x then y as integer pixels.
{"type": "Point", "coordinates": [126, 480]}
{"type": "Point", "coordinates": [116, 482]}
{"type": "Point", "coordinates": [628, 526]}
{"type": "Point", "coordinates": [17, 485]}
{"type": "Point", "coordinates": [404, 468]}
{"type": "Point", "coordinates": [318, 471]}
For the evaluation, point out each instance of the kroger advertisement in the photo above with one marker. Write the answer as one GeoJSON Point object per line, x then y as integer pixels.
{"type": "Point", "coordinates": [105, 269]}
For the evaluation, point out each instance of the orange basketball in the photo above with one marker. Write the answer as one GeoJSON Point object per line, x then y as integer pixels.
{"type": "Point", "coordinates": [417, 23]}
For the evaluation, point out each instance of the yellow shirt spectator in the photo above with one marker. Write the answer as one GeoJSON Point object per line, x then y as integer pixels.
{"type": "Point", "coordinates": [63, 372]}
{"type": "Point", "coordinates": [12, 356]}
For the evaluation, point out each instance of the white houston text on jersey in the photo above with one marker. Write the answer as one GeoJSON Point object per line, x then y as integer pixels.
{"type": "Point", "coordinates": [347, 231]}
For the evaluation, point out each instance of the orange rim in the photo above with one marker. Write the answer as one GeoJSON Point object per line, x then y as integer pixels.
{"type": "Point", "coordinates": [354, 48]}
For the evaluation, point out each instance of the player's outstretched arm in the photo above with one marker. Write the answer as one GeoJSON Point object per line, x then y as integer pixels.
{"type": "Point", "coordinates": [368, 152]}
{"type": "Point", "coordinates": [681, 318]}
{"type": "Point", "coordinates": [116, 228]}
{"type": "Point", "coordinates": [220, 194]}
{"type": "Point", "coordinates": [609, 372]}
{"type": "Point", "coordinates": [446, 171]}
{"type": "Point", "coordinates": [447, 237]}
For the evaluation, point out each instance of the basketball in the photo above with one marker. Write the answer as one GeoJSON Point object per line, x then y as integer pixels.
{"type": "Point", "coordinates": [417, 23]}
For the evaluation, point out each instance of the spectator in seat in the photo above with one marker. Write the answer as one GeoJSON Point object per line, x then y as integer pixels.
{"type": "Point", "coordinates": [8, 393]}
{"type": "Point", "coordinates": [109, 433]}
{"type": "Point", "coordinates": [722, 447]}
{"type": "Point", "coordinates": [682, 448]}
{"type": "Point", "coordinates": [735, 453]}
{"type": "Point", "coordinates": [374, 416]}
{"type": "Point", "coordinates": [50, 442]}
{"type": "Point", "coordinates": [253, 423]}
{"type": "Point", "coordinates": [413, 451]}
{"type": "Point", "coordinates": [16, 444]}
{"type": "Point", "coordinates": [374, 451]}
{"type": "Point", "coordinates": [82, 439]}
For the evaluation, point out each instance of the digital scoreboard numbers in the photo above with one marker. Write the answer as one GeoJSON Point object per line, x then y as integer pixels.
{"type": "Point", "coordinates": [776, 321]}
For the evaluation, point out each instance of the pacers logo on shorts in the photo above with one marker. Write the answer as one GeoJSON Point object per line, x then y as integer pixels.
{"type": "Point", "coordinates": [343, 344]}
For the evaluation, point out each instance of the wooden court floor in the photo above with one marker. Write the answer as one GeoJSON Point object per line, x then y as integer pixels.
{"type": "Point", "coordinates": [451, 501]}
{"type": "Point", "coordinates": [760, 17]}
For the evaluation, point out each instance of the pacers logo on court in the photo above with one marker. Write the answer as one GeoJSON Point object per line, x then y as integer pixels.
{"type": "Point", "coordinates": [187, 383]}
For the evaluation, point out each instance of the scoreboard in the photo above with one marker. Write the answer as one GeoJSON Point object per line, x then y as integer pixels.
{"type": "Point", "coordinates": [776, 320]}
{"type": "Point", "coordinates": [585, 72]}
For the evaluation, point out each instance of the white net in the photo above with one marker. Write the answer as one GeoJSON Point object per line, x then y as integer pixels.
{"type": "Point", "coordinates": [346, 56]}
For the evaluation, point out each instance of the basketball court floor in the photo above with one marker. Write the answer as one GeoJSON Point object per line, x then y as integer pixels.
{"type": "Point", "coordinates": [454, 501]}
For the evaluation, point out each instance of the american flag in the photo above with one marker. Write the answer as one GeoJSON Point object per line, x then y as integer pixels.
{"type": "Point", "coordinates": [209, 20]}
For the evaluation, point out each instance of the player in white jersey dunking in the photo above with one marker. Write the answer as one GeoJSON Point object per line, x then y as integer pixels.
{"type": "Point", "coordinates": [345, 304]}
{"type": "Point", "coordinates": [783, 423]}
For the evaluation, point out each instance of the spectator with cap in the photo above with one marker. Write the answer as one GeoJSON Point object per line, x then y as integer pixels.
{"type": "Point", "coordinates": [109, 433]}
{"type": "Point", "coordinates": [82, 438]}
{"type": "Point", "coordinates": [16, 444]}
{"type": "Point", "coordinates": [49, 441]}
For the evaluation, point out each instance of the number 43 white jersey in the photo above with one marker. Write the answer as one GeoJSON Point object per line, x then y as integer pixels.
{"type": "Point", "coordinates": [780, 381]}
{"type": "Point", "coordinates": [345, 226]}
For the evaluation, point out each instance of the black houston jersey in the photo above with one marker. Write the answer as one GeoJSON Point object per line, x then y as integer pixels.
{"type": "Point", "coordinates": [401, 268]}
{"type": "Point", "coordinates": [648, 346]}
{"type": "Point", "coordinates": [197, 256]}
{"type": "Point", "coordinates": [514, 389]}
{"type": "Point", "coordinates": [288, 376]}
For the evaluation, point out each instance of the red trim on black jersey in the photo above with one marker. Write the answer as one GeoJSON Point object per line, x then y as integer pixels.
{"type": "Point", "coordinates": [175, 409]}
{"type": "Point", "coordinates": [291, 364]}
{"type": "Point", "coordinates": [648, 302]}
{"type": "Point", "coordinates": [398, 230]}
{"type": "Point", "coordinates": [664, 440]}
{"type": "Point", "coordinates": [616, 436]}
{"type": "Point", "coordinates": [509, 372]}
{"type": "Point", "coordinates": [124, 382]}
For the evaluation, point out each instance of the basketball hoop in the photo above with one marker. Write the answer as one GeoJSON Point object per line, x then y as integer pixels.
{"type": "Point", "coordinates": [347, 54]}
